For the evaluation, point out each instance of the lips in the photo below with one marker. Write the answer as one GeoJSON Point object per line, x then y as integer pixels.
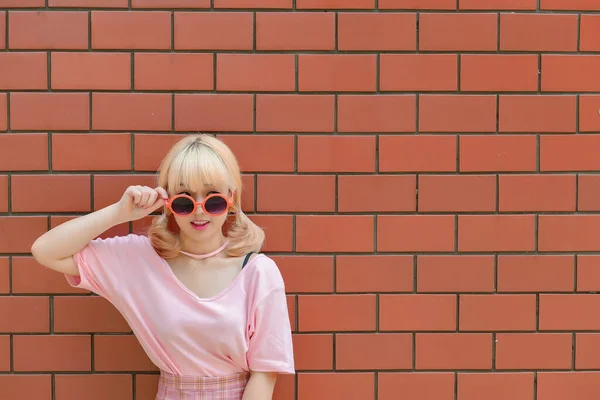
{"type": "Point", "coordinates": [200, 225]}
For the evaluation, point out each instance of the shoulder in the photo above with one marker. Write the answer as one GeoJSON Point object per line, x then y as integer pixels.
{"type": "Point", "coordinates": [121, 244]}
{"type": "Point", "coordinates": [264, 273]}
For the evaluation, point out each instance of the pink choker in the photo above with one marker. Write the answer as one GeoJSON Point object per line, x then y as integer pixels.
{"type": "Point", "coordinates": [202, 256]}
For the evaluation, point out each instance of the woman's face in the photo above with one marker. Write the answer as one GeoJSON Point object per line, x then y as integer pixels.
{"type": "Point", "coordinates": [199, 225]}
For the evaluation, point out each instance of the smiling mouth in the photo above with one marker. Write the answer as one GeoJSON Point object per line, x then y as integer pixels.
{"type": "Point", "coordinates": [199, 225]}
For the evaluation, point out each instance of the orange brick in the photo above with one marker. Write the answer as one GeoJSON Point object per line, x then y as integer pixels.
{"type": "Point", "coordinates": [50, 111]}
{"type": "Point", "coordinates": [580, 70]}
{"type": "Point", "coordinates": [313, 351]}
{"type": "Point", "coordinates": [376, 193]}
{"type": "Point", "coordinates": [3, 111]}
{"type": "Point", "coordinates": [91, 71]}
{"type": "Point", "coordinates": [256, 72]}
{"type": "Point", "coordinates": [588, 273]}
{"type": "Point", "coordinates": [381, 113]}
{"type": "Point", "coordinates": [131, 111]}
{"type": "Point", "coordinates": [24, 152]}
{"type": "Point", "coordinates": [455, 273]}
{"type": "Point", "coordinates": [131, 30]}
{"type": "Point", "coordinates": [336, 386]}
{"type": "Point", "coordinates": [335, 4]}
{"type": "Point", "coordinates": [495, 386]}
{"type": "Point", "coordinates": [52, 353]}
{"type": "Point", "coordinates": [88, 3]}
{"type": "Point", "coordinates": [279, 231]}
{"type": "Point", "coordinates": [262, 153]}
{"type": "Point", "coordinates": [416, 153]}
{"type": "Point", "coordinates": [496, 232]}
{"type": "Point", "coordinates": [90, 151]}
{"type": "Point", "coordinates": [498, 312]}
{"type": "Point", "coordinates": [373, 351]}
{"type": "Point", "coordinates": [589, 33]}
{"type": "Point", "coordinates": [419, 72]}
{"type": "Point", "coordinates": [498, 153]}
{"type": "Point", "coordinates": [581, 5]}
{"type": "Point", "coordinates": [336, 312]}
{"type": "Point", "coordinates": [536, 273]}
{"type": "Point", "coordinates": [87, 314]}
{"type": "Point", "coordinates": [416, 385]}
{"type": "Point", "coordinates": [499, 73]}
{"type": "Point", "coordinates": [587, 350]}
{"type": "Point", "coordinates": [377, 31]}
{"type": "Point", "coordinates": [4, 193]}
{"type": "Point", "coordinates": [336, 154]}
{"type": "Point", "coordinates": [448, 351]}
{"type": "Point", "coordinates": [60, 193]}
{"type": "Point", "coordinates": [295, 193]}
{"type": "Point", "coordinates": [457, 113]}
{"type": "Point", "coordinates": [103, 386]}
{"type": "Point", "coordinates": [588, 113]}
{"type": "Point", "coordinates": [211, 112]}
{"type": "Point", "coordinates": [214, 31]}
{"type": "Point", "coordinates": [537, 192]}
{"type": "Point", "coordinates": [173, 71]}
{"type": "Point", "coordinates": [150, 149]}
{"type": "Point", "coordinates": [246, 3]}
{"type": "Point", "coordinates": [533, 113]}
{"type": "Point", "coordinates": [560, 385]}
{"type": "Point", "coordinates": [120, 353]}
{"type": "Point", "coordinates": [569, 152]}
{"type": "Point", "coordinates": [334, 233]}
{"type": "Point", "coordinates": [35, 386]}
{"type": "Point", "coordinates": [415, 233]}
{"type": "Point", "coordinates": [568, 232]}
{"type": "Point", "coordinates": [48, 30]}
{"type": "Point", "coordinates": [171, 4]}
{"type": "Point", "coordinates": [374, 273]}
{"type": "Point", "coordinates": [417, 4]}
{"type": "Point", "coordinates": [337, 72]}
{"type": "Point", "coordinates": [568, 312]}
{"type": "Point", "coordinates": [458, 32]}
{"type": "Point", "coordinates": [294, 113]}
{"type": "Point", "coordinates": [538, 32]}
{"type": "Point", "coordinates": [23, 71]}
{"type": "Point", "coordinates": [588, 193]}
{"type": "Point", "coordinates": [306, 273]}
{"type": "Point", "coordinates": [497, 5]}
{"type": "Point", "coordinates": [29, 277]}
{"type": "Point", "coordinates": [25, 314]}
{"type": "Point", "coordinates": [457, 193]}
{"type": "Point", "coordinates": [17, 233]}
{"type": "Point", "coordinates": [295, 31]}
{"type": "Point", "coordinates": [417, 312]}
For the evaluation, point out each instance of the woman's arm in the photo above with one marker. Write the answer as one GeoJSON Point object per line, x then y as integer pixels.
{"type": "Point", "coordinates": [260, 386]}
{"type": "Point", "coordinates": [55, 248]}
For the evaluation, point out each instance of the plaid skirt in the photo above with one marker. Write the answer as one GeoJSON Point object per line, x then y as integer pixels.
{"type": "Point", "coordinates": [175, 387]}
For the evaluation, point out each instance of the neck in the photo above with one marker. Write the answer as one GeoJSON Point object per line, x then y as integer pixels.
{"type": "Point", "coordinates": [205, 247]}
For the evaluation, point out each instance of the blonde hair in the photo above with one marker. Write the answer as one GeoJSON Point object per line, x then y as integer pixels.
{"type": "Point", "coordinates": [193, 162]}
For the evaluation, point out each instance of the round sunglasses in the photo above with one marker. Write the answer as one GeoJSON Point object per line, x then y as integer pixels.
{"type": "Point", "coordinates": [215, 204]}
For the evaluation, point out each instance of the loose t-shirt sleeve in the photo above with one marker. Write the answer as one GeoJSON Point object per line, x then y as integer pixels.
{"type": "Point", "coordinates": [270, 344]}
{"type": "Point", "coordinates": [101, 264]}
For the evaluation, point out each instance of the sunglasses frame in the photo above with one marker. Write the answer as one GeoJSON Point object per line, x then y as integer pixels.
{"type": "Point", "coordinates": [197, 204]}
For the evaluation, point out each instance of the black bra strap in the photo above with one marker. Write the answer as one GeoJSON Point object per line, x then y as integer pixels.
{"type": "Point", "coordinates": [246, 259]}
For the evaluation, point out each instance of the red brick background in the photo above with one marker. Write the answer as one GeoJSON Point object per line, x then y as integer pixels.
{"type": "Point", "coordinates": [426, 172]}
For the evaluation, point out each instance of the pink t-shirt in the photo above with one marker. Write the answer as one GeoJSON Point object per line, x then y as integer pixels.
{"type": "Point", "coordinates": [245, 327]}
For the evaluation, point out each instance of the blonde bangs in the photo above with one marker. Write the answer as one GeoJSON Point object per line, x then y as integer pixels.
{"type": "Point", "coordinates": [198, 168]}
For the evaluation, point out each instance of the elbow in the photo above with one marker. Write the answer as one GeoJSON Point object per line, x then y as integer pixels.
{"type": "Point", "coordinates": [37, 251]}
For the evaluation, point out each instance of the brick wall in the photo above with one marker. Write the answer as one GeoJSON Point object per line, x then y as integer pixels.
{"type": "Point", "coordinates": [430, 191]}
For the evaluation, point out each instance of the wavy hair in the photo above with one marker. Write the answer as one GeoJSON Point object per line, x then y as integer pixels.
{"type": "Point", "coordinates": [194, 162]}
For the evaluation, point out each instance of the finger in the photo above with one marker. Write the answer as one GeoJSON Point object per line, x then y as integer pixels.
{"type": "Point", "coordinates": [145, 196]}
{"type": "Point", "coordinates": [163, 193]}
{"type": "Point", "coordinates": [151, 198]}
{"type": "Point", "coordinates": [136, 194]}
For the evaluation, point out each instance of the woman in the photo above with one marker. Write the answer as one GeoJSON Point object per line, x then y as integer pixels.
{"type": "Point", "coordinates": [209, 310]}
